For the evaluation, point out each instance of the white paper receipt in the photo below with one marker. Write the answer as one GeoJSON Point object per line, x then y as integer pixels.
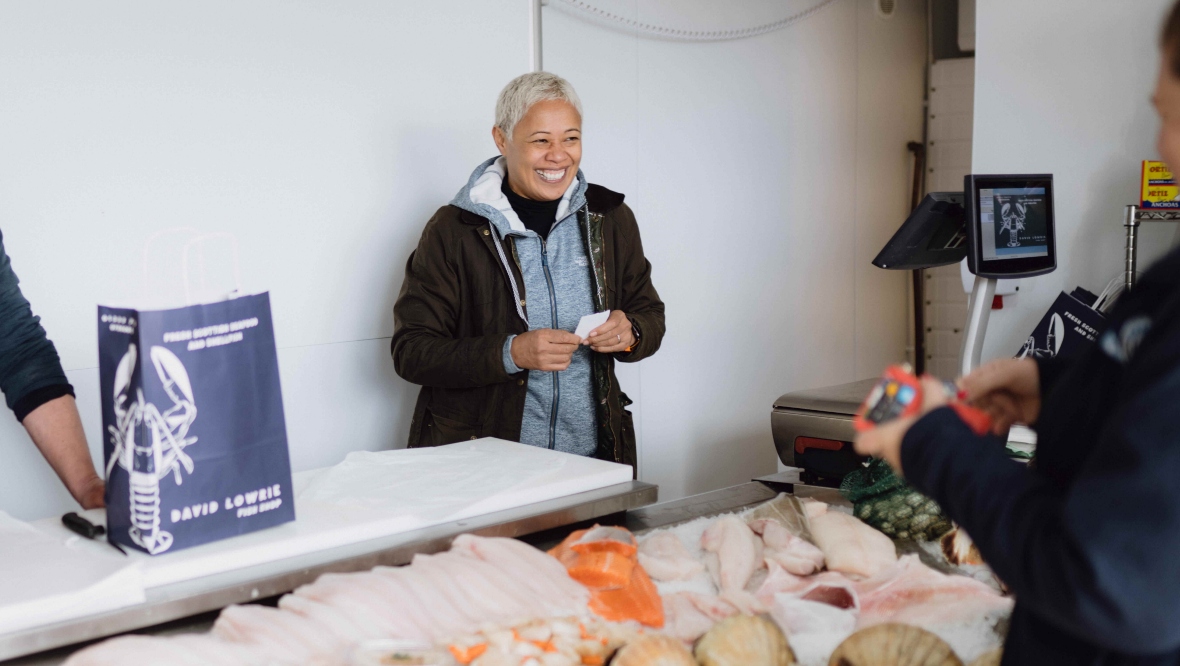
{"type": "Point", "coordinates": [591, 322]}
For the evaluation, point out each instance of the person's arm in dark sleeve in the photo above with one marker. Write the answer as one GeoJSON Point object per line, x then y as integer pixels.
{"type": "Point", "coordinates": [36, 389]}
{"type": "Point", "coordinates": [637, 296]}
{"type": "Point", "coordinates": [425, 346]}
{"type": "Point", "coordinates": [30, 370]}
{"type": "Point", "coordinates": [1095, 561]}
{"type": "Point", "coordinates": [1049, 371]}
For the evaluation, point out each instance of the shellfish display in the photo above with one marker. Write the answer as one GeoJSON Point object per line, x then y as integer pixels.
{"type": "Point", "coordinates": [744, 640]}
{"type": "Point", "coordinates": [654, 650]}
{"type": "Point", "coordinates": [894, 645]}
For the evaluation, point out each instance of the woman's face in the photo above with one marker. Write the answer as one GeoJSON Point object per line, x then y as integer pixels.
{"type": "Point", "coordinates": [1167, 104]}
{"type": "Point", "coordinates": [544, 150]}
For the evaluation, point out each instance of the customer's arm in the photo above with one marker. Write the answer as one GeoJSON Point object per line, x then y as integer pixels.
{"type": "Point", "coordinates": [1097, 560]}
{"type": "Point", "coordinates": [637, 296]}
{"type": "Point", "coordinates": [36, 390]}
{"type": "Point", "coordinates": [56, 429]}
{"type": "Point", "coordinates": [426, 347]}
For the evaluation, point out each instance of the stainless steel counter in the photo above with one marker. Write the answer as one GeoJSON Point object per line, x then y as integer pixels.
{"type": "Point", "coordinates": [192, 598]}
{"type": "Point", "coordinates": [191, 606]}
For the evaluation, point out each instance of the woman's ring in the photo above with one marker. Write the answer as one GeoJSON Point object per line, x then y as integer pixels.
{"type": "Point", "coordinates": [619, 336]}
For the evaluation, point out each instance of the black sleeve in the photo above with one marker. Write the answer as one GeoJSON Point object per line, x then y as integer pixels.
{"type": "Point", "coordinates": [1094, 560]}
{"type": "Point", "coordinates": [1050, 370]}
{"type": "Point", "coordinates": [29, 364]}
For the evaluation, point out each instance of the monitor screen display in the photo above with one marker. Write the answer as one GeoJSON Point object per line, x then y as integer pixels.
{"type": "Point", "coordinates": [1014, 222]}
{"type": "Point", "coordinates": [1010, 225]}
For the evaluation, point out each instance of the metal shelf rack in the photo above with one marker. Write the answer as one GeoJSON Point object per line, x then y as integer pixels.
{"type": "Point", "coordinates": [1132, 217]}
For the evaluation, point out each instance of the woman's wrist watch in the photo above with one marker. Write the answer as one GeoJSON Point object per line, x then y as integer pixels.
{"type": "Point", "coordinates": [635, 335]}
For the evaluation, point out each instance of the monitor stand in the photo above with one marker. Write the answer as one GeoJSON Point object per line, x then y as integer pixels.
{"type": "Point", "coordinates": [979, 310]}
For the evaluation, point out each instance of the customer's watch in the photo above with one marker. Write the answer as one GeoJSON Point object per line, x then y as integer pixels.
{"type": "Point", "coordinates": [634, 334]}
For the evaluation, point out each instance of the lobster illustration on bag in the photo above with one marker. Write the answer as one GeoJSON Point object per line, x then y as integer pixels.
{"type": "Point", "coordinates": [160, 452]}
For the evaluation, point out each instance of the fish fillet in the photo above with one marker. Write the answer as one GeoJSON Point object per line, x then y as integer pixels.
{"type": "Point", "coordinates": [282, 636]}
{"type": "Point", "coordinates": [366, 593]}
{"type": "Point", "coordinates": [797, 617]}
{"type": "Point", "coordinates": [796, 555]}
{"type": "Point", "coordinates": [665, 558]}
{"type": "Point", "coordinates": [733, 553]}
{"type": "Point", "coordinates": [335, 620]}
{"type": "Point", "coordinates": [490, 583]}
{"type": "Point", "coordinates": [467, 588]}
{"type": "Point", "coordinates": [683, 619]}
{"type": "Point", "coordinates": [828, 587]}
{"type": "Point", "coordinates": [913, 593]}
{"type": "Point", "coordinates": [178, 651]}
{"type": "Point", "coordinates": [849, 545]}
{"type": "Point", "coordinates": [535, 570]}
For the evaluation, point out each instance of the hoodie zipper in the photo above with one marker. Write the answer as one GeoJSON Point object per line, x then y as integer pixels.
{"type": "Point", "coordinates": [553, 313]}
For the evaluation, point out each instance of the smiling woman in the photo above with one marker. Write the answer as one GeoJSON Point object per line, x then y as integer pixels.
{"type": "Point", "coordinates": [502, 276]}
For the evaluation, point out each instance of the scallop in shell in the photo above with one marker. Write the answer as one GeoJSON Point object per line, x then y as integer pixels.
{"type": "Point", "coordinates": [654, 650]}
{"type": "Point", "coordinates": [989, 658]}
{"type": "Point", "coordinates": [958, 548]}
{"type": "Point", "coordinates": [744, 640]}
{"type": "Point", "coordinates": [894, 645]}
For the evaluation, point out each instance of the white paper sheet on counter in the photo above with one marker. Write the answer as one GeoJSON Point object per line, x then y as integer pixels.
{"type": "Point", "coordinates": [372, 495]}
{"type": "Point", "coordinates": [48, 577]}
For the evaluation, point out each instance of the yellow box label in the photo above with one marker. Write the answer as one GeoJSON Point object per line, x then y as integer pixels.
{"type": "Point", "coordinates": [1158, 188]}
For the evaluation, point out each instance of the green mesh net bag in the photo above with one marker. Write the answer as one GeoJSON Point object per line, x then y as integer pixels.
{"type": "Point", "coordinates": [884, 500]}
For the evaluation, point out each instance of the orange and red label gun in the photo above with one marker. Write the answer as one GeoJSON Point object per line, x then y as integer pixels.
{"type": "Point", "coordinates": [899, 394]}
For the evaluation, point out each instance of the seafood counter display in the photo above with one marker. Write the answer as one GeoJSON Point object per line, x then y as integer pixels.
{"type": "Point", "coordinates": [786, 582]}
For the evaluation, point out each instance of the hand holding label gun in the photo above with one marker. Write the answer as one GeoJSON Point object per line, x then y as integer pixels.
{"type": "Point", "coordinates": [897, 402]}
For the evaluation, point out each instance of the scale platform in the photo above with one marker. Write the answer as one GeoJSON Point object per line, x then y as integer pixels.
{"type": "Point", "coordinates": [813, 431]}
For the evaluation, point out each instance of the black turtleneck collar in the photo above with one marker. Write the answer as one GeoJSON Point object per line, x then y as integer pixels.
{"type": "Point", "coordinates": [537, 216]}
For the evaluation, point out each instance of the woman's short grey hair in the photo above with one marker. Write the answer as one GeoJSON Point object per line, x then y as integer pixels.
{"type": "Point", "coordinates": [526, 90]}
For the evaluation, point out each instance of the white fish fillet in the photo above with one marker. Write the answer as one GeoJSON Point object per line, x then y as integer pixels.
{"type": "Point", "coordinates": [486, 581]}
{"type": "Point", "coordinates": [280, 635]}
{"type": "Point", "coordinates": [828, 587]}
{"type": "Point", "coordinates": [688, 615]}
{"type": "Point", "coordinates": [361, 593]}
{"type": "Point", "coordinates": [333, 619]}
{"type": "Point", "coordinates": [913, 593]}
{"type": "Point", "coordinates": [796, 555]}
{"type": "Point", "coordinates": [134, 650]}
{"type": "Point", "coordinates": [849, 545]}
{"type": "Point", "coordinates": [537, 571]}
{"type": "Point", "coordinates": [464, 583]}
{"type": "Point", "coordinates": [434, 599]}
{"type": "Point", "coordinates": [733, 553]}
{"type": "Point", "coordinates": [664, 557]}
{"type": "Point", "coordinates": [797, 616]}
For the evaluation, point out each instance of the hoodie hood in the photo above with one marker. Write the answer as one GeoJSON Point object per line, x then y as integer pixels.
{"type": "Point", "coordinates": [482, 196]}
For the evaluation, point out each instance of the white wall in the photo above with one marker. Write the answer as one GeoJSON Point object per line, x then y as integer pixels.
{"type": "Point", "coordinates": [765, 173]}
{"type": "Point", "coordinates": [323, 134]}
{"type": "Point", "coordinates": [1064, 87]}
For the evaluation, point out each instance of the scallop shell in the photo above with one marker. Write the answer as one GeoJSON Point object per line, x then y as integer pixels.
{"type": "Point", "coordinates": [744, 640]}
{"type": "Point", "coordinates": [654, 650]}
{"type": "Point", "coordinates": [958, 548]}
{"type": "Point", "coordinates": [894, 645]}
{"type": "Point", "coordinates": [992, 658]}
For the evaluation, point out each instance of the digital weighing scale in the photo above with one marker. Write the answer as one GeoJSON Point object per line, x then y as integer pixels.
{"type": "Point", "coordinates": [1004, 226]}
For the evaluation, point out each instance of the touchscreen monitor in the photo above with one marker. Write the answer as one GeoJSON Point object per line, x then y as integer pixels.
{"type": "Point", "coordinates": [1010, 225]}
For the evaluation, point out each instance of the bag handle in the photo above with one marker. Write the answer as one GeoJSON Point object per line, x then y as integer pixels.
{"type": "Point", "coordinates": [199, 242]}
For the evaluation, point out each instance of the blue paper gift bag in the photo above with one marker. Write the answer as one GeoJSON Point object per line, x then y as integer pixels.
{"type": "Point", "coordinates": [195, 442]}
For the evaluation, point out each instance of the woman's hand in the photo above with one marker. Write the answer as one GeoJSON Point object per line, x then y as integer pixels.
{"type": "Point", "coordinates": [884, 441]}
{"type": "Point", "coordinates": [614, 335]}
{"type": "Point", "coordinates": [547, 350]}
{"type": "Point", "coordinates": [1009, 390]}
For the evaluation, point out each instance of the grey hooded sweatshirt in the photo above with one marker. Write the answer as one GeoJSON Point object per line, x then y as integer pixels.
{"type": "Point", "coordinates": [557, 292]}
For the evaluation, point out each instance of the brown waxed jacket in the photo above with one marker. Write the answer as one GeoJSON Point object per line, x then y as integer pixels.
{"type": "Point", "coordinates": [456, 309]}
